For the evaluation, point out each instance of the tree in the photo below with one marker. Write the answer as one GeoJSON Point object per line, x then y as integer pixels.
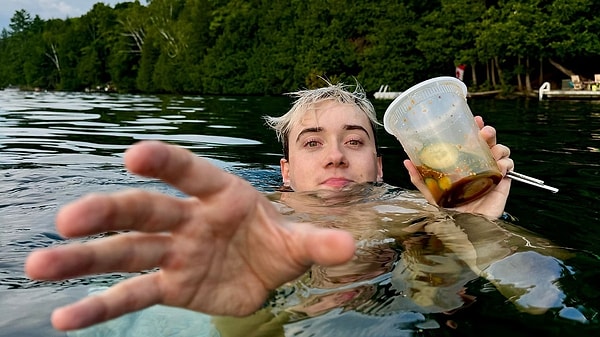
{"type": "Point", "coordinates": [387, 54]}
{"type": "Point", "coordinates": [234, 27]}
{"type": "Point", "coordinates": [270, 47]}
{"type": "Point", "coordinates": [98, 35]}
{"type": "Point", "coordinates": [271, 65]}
{"type": "Point", "coordinates": [446, 36]}
{"type": "Point", "coordinates": [20, 22]}
{"type": "Point", "coordinates": [573, 37]}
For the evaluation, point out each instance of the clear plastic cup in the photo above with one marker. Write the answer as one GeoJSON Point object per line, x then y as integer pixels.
{"type": "Point", "coordinates": [436, 128]}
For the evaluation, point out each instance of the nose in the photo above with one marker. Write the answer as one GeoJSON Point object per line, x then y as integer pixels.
{"type": "Point", "coordinates": [336, 156]}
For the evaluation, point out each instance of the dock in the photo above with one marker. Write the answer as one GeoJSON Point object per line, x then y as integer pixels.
{"type": "Point", "coordinates": [570, 94]}
{"type": "Point", "coordinates": [546, 91]}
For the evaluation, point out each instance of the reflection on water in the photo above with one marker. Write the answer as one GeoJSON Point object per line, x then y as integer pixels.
{"type": "Point", "coordinates": [417, 270]}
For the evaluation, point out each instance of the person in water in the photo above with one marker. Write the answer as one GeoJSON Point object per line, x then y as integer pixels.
{"type": "Point", "coordinates": [226, 247]}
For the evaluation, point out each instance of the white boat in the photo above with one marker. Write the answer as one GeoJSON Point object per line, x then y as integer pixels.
{"type": "Point", "coordinates": [383, 93]}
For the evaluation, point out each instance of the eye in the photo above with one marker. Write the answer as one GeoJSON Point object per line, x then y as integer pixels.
{"type": "Point", "coordinates": [311, 143]}
{"type": "Point", "coordinates": [354, 142]}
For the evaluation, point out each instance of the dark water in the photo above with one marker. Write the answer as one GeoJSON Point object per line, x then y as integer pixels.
{"type": "Point", "coordinates": [55, 147]}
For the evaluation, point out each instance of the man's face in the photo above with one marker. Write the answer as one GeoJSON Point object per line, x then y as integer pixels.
{"type": "Point", "coordinates": [331, 147]}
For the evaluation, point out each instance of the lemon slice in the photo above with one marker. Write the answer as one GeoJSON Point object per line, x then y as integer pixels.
{"type": "Point", "coordinates": [439, 156]}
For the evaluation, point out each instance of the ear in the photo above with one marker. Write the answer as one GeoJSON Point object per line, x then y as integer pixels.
{"type": "Point", "coordinates": [379, 169]}
{"type": "Point", "coordinates": [285, 171]}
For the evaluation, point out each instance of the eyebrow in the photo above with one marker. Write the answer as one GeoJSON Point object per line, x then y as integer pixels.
{"type": "Point", "coordinates": [356, 127]}
{"type": "Point", "coordinates": [319, 129]}
{"type": "Point", "coordinates": [308, 130]}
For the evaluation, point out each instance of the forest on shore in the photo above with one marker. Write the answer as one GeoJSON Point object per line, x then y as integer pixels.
{"type": "Point", "coordinates": [259, 47]}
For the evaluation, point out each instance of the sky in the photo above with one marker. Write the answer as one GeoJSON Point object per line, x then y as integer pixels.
{"type": "Point", "coordinates": [48, 9]}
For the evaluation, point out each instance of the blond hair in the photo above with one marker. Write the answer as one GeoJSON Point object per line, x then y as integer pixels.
{"type": "Point", "coordinates": [307, 99]}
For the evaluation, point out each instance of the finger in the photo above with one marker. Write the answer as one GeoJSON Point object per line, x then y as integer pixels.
{"type": "Point", "coordinates": [134, 210]}
{"type": "Point", "coordinates": [414, 174]}
{"type": "Point", "coordinates": [479, 121]}
{"type": "Point", "coordinates": [488, 133]}
{"type": "Point", "coordinates": [501, 154]}
{"type": "Point", "coordinates": [177, 166]}
{"type": "Point", "coordinates": [417, 180]}
{"type": "Point", "coordinates": [500, 151]}
{"type": "Point", "coordinates": [128, 296]}
{"type": "Point", "coordinates": [130, 252]}
{"type": "Point", "coordinates": [505, 165]}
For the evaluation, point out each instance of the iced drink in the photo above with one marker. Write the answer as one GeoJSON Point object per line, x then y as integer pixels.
{"type": "Point", "coordinates": [437, 130]}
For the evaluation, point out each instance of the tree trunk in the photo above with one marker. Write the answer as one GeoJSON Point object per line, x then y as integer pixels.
{"type": "Point", "coordinates": [519, 82]}
{"type": "Point", "coordinates": [541, 80]}
{"type": "Point", "coordinates": [55, 60]}
{"type": "Point", "coordinates": [473, 74]}
{"type": "Point", "coordinates": [561, 68]}
{"type": "Point", "coordinates": [493, 72]}
{"type": "Point", "coordinates": [136, 34]}
{"type": "Point", "coordinates": [527, 77]}
{"type": "Point", "coordinates": [500, 77]}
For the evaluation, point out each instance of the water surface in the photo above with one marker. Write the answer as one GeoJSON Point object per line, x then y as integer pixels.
{"type": "Point", "coordinates": [55, 147]}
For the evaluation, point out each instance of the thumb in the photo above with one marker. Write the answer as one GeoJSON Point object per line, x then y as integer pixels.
{"type": "Point", "coordinates": [323, 246]}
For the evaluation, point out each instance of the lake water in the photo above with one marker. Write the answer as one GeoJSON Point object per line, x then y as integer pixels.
{"type": "Point", "coordinates": [55, 147]}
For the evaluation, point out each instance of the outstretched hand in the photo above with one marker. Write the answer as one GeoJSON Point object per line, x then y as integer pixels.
{"type": "Point", "coordinates": [491, 204]}
{"type": "Point", "coordinates": [219, 251]}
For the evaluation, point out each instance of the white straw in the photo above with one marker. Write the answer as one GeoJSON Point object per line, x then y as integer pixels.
{"type": "Point", "coordinates": [530, 180]}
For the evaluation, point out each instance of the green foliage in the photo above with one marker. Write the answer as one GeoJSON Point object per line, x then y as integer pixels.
{"type": "Point", "coordinates": [276, 46]}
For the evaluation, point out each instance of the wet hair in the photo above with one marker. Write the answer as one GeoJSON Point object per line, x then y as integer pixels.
{"type": "Point", "coordinates": [307, 99]}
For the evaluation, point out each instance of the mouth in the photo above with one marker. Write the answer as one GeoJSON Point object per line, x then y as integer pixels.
{"type": "Point", "coordinates": [336, 183]}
